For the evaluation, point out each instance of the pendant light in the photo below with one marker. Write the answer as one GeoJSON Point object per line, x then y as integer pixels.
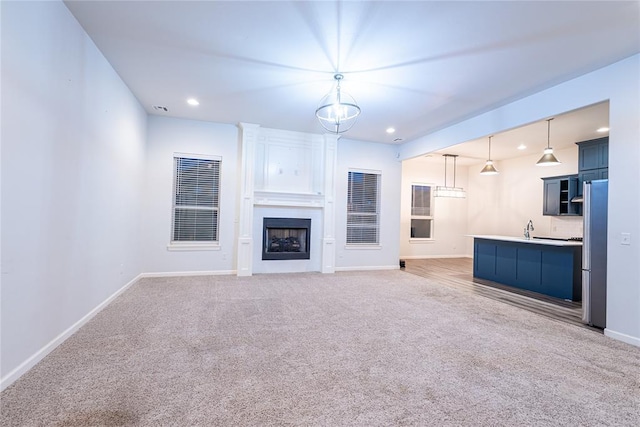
{"type": "Point", "coordinates": [548, 159]}
{"type": "Point", "coordinates": [337, 111]}
{"type": "Point", "coordinates": [446, 191]}
{"type": "Point", "coordinates": [488, 168]}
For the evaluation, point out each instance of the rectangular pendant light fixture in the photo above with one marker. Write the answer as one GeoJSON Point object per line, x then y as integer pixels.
{"type": "Point", "coordinates": [446, 191]}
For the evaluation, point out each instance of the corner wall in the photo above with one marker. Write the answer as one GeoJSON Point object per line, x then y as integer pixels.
{"type": "Point", "coordinates": [376, 157]}
{"type": "Point", "coordinates": [167, 136]}
{"type": "Point", "coordinates": [449, 215]}
{"type": "Point", "coordinates": [73, 140]}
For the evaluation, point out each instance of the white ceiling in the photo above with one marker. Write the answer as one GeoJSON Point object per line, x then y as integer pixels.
{"type": "Point", "coordinates": [418, 66]}
{"type": "Point", "coordinates": [563, 131]}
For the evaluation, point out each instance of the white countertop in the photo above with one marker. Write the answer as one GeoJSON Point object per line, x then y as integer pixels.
{"type": "Point", "coordinates": [532, 240]}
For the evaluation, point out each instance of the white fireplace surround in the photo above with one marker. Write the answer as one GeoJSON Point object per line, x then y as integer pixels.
{"type": "Point", "coordinates": [286, 174]}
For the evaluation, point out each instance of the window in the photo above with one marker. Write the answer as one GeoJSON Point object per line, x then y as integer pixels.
{"type": "Point", "coordinates": [196, 200]}
{"type": "Point", "coordinates": [363, 208]}
{"type": "Point", "coordinates": [421, 212]}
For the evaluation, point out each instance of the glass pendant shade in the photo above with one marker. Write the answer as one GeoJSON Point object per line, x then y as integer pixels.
{"type": "Point", "coordinates": [337, 111]}
{"type": "Point", "coordinates": [488, 168]}
{"type": "Point", "coordinates": [548, 159]}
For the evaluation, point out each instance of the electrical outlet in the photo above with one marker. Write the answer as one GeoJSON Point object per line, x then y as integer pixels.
{"type": "Point", "coordinates": [625, 238]}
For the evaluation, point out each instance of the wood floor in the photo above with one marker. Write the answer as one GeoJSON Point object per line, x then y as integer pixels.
{"type": "Point", "coordinates": [458, 273]}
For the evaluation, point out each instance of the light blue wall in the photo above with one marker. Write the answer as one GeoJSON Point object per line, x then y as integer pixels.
{"type": "Point", "coordinates": [380, 158]}
{"type": "Point", "coordinates": [167, 136]}
{"type": "Point", "coordinates": [73, 140]}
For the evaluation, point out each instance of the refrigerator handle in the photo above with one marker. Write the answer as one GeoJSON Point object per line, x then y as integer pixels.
{"type": "Point", "coordinates": [586, 253]}
{"type": "Point", "coordinates": [586, 227]}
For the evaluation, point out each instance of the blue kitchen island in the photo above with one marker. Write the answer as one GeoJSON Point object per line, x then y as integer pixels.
{"type": "Point", "coordinates": [549, 267]}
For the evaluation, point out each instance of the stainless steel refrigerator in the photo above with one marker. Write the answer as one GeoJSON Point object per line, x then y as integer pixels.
{"type": "Point", "coordinates": [594, 253]}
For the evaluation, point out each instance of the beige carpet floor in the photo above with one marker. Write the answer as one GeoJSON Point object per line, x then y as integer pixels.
{"type": "Point", "coordinates": [349, 349]}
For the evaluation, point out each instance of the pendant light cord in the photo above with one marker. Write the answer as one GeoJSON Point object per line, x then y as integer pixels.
{"type": "Point", "coordinates": [490, 146]}
{"type": "Point", "coordinates": [454, 172]}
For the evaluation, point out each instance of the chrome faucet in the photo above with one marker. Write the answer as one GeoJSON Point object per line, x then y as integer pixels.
{"type": "Point", "coordinates": [528, 229]}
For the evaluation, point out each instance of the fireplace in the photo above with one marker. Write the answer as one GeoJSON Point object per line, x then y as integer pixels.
{"type": "Point", "coordinates": [286, 238]}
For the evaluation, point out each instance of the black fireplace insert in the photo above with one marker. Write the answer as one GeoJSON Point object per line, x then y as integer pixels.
{"type": "Point", "coordinates": [286, 238]}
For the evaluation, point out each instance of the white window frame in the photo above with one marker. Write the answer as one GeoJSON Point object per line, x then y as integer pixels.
{"type": "Point", "coordinates": [353, 212]}
{"type": "Point", "coordinates": [413, 215]}
{"type": "Point", "coordinates": [194, 245]}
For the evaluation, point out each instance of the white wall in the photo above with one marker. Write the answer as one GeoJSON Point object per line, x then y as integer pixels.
{"type": "Point", "coordinates": [618, 83]}
{"type": "Point", "coordinates": [167, 136]}
{"type": "Point", "coordinates": [73, 141]}
{"type": "Point", "coordinates": [449, 215]}
{"type": "Point", "coordinates": [503, 204]}
{"type": "Point", "coordinates": [374, 157]}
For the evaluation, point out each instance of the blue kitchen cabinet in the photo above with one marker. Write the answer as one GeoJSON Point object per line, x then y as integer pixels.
{"type": "Point", "coordinates": [553, 270]}
{"type": "Point", "coordinates": [558, 192]}
{"type": "Point", "coordinates": [593, 161]}
{"type": "Point", "coordinates": [593, 154]}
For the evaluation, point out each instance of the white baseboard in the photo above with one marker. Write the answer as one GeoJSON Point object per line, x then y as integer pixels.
{"type": "Point", "coordinates": [434, 256]}
{"type": "Point", "coordinates": [622, 337]}
{"type": "Point", "coordinates": [367, 268]}
{"type": "Point", "coordinates": [189, 273]}
{"type": "Point", "coordinates": [12, 376]}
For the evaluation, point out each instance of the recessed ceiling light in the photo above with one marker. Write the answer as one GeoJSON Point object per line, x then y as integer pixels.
{"type": "Point", "coordinates": [522, 147]}
{"type": "Point", "coordinates": [390, 130]}
{"type": "Point", "coordinates": [193, 101]}
{"type": "Point", "coordinates": [603, 129]}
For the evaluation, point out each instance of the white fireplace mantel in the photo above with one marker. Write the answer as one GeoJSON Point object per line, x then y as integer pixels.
{"type": "Point", "coordinates": [278, 198]}
{"type": "Point", "coordinates": [285, 169]}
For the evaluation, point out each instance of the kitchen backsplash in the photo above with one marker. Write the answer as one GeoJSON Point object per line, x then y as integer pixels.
{"type": "Point", "coordinates": [566, 226]}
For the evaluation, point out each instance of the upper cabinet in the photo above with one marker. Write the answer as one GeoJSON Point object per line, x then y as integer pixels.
{"type": "Point", "coordinates": [593, 154]}
{"type": "Point", "coordinates": [558, 192]}
{"type": "Point", "coordinates": [593, 160]}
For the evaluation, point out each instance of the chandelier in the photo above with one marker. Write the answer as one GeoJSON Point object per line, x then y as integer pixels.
{"type": "Point", "coordinates": [446, 191]}
{"type": "Point", "coordinates": [337, 111]}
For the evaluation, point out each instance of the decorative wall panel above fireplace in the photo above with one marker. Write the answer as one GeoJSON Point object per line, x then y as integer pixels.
{"type": "Point", "coordinates": [285, 170]}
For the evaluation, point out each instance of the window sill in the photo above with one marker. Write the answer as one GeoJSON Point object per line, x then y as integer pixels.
{"type": "Point", "coordinates": [193, 246]}
{"type": "Point", "coordinates": [365, 247]}
{"type": "Point", "coordinates": [415, 240]}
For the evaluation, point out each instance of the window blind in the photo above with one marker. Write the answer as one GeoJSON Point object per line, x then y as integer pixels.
{"type": "Point", "coordinates": [421, 212]}
{"type": "Point", "coordinates": [196, 200]}
{"type": "Point", "coordinates": [421, 200]}
{"type": "Point", "coordinates": [363, 208]}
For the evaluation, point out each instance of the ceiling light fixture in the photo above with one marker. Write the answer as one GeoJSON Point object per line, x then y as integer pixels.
{"type": "Point", "coordinates": [522, 147]}
{"type": "Point", "coordinates": [488, 168]}
{"type": "Point", "coordinates": [390, 130]}
{"type": "Point", "coordinates": [548, 159]}
{"type": "Point", "coordinates": [192, 101]}
{"type": "Point", "coordinates": [338, 110]}
{"type": "Point", "coordinates": [446, 191]}
{"type": "Point", "coordinates": [602, 129]}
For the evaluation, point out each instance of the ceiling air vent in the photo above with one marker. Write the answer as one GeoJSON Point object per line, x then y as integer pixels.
{"type": "Point", "coordinates": [398, 139]}
{"type": "Point", "coordinates": [160, 108]}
